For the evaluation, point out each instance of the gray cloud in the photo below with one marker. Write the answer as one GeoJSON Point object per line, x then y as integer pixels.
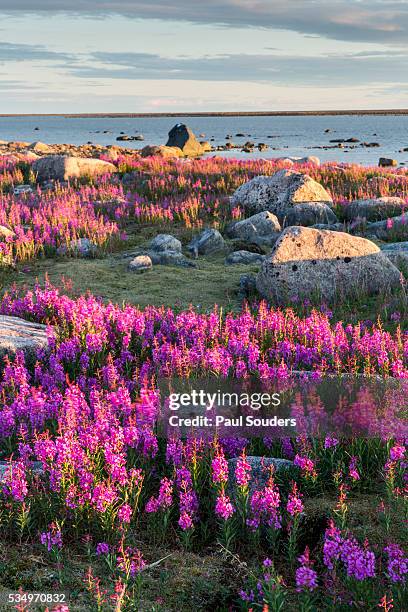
{"type": "Point", "coordinates": [13, 52]}
{"type": "Point", "coordinates": [376, 21]}
{"type": "Point", "coordinates": [329, 70]}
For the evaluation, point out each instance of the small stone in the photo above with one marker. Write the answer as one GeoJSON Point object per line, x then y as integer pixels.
{"type": "Point", "coordinates": [261, 224]}
{"type": "Point", "coordinates": [81, 247]}
{"type": "Point", "coordinates": [243, 258]}
{"type": "Point", "coordinates": [140, 264]}
{"type": "Point", "coordinates": [247, 285]}
{"type": "Point", "coordinates": [20, 189]}
{"type": "Point", "coordinates": [209, 241]}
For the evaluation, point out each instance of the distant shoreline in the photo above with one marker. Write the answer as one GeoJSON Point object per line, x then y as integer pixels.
{"type": "Point", "coordinates": [212, 114]}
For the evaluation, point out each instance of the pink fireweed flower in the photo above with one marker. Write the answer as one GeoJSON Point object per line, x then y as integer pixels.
{"type": "Point", "coordinates": [131, 561]}
{"type": "Point", "coordinates": [223, 507]}
{"type": "Point", "coordinates": [264, 507]}
{"type": "Point", "coordinates": [330, 442]}
{"type": "Point", "coordinates": [15, 482]}
{"type": "Point", "coordinates": [242, 471]}
{"type": "Point", "coordinates": [332, 545]}
{"type": "Point", "coordinates": [102, 548]}
{"type": "Point", "coordinates": [219, 466]}
{"type": "Point", "coordinates": [306, 577]}
{"type": "Point", "coordinates": [52, 539]}
{"type": "Point", "coordinates": [359, 562]}
{"type": "Point", "coordinates": [306, 465]}
{"type": "Point", "coordinates": [397, 564]}
{"type": "Point", "coordinates": [386, 604]}
{"type": "Point", "coordinates": [125, 513]}
{"type": "Point", "coordinates": [397, 452]}
{"type": "Point", "coordinates": [165, 498]}
{"type": "Point", "coordinates": [185, 521]}
{"type": "Point", "coordinates": [295, 504]}
{"type": "Point", "coordinates": [353, 473]}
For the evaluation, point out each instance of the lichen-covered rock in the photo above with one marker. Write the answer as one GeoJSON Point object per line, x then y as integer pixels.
{"type": "Point", "coordinates": [320, 264]}
{"type": "Point", "coordinates": [397, 252]}
{"type": "Point", "coordinates": [181, 136]}
{"type": "Point", "coordinates": [394, 228]}
{"type": "Point", "coordinates": [21, 189]}
{"type": "Point", "coordinates": [309, 213]}
{"type": "Point", "coordinates": [310, 159]}
{"type": "Point", "coordinates": [243, 258]}
{"type": "Point", "coordinates": [278, 193]}
{"type": "Point", "coordinates": [375, 209]}
{"type": "Point", "coordinates": [64, 168]}
{"type": "Point", "coordinates": [165, 242]}
{"type": "Point", "coordinates": [141, 263]}
{"type": "Point", "coordinates": [208, 241]}
{"type": "Point", "coordinates": [386, 162]}
{"type": "Point", "coordinates": [261, 224]}
{"type": "Point", "coordinates": [170, 258]}
{"type": "Point", "coordinates": [19, 335]}
{"type": "Point", "coordinates": [5, 232]}
{"type": "Point", "coordinates": [161, 151]}
{"type": "Point", "coordinates": [260, 471]}
{"type": "Point", "coordinates": [80, 247]}
{"type": "Point", "coordinates": [41, 148]}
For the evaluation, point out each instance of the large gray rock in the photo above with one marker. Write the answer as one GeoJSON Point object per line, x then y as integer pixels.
{"type": "Point", "coordinates": [209, 241]}
{"type": "Point", "coordinates": [243, 258]}
{"type": "Point", "coordinates": [80, 247]}
{"type": "Point", "coordinates": [41, 148]}
{"type": "Point", "coordinates": [394, 228]}
{"type": "Point", "coordinates": [310, 159]}
{"type": "Point", "coordinates": [63, 168]}
{"type": "Point", "coordinates": [261, 224]}
{"type": "Point", "coordinates": [165, 242]}
{"type": "Point", "coordinates": [161, 151]}
{"type": "Point", "coordinates": [395, 246]}
{"type": "Point", "coordinates": [334, 227]}
{"type": "Point", "coordinates": [375, 209]}
{"type": "Point", "coordinates": [19, 335]}
{"type": "Point", "coordinates": [278, 193]}
{"type": "Point", "coordinates": [319, 264]}
{"type": "Point", "coordinates": [386, 162]}
{"type": "Point", "coordinates": [182, 137]}
{"type": "Point", "coordinates": [309, 213]}
{"type": "Point", "coordinates": [260, 471]}
{"type": "Point", "coordinates": [397, 252]}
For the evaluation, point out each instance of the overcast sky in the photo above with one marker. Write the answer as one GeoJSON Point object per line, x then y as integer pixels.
{"type": "Point", "coordinates": [186, 55]}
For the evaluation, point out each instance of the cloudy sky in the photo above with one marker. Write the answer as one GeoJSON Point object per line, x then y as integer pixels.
{"type": "Point", "coordinates": [205, 55]}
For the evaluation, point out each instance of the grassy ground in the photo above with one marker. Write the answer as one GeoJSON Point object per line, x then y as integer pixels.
{"type": "Point", "coordinates": [210, 283]}
{"type": "Point", "coordinates": [208, 579]}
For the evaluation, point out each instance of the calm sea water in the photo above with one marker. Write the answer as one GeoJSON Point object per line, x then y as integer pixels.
{"type": "Point", "coordinates": [292, 136]}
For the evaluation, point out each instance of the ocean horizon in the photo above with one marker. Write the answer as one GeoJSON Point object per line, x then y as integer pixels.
{"type": "Point", "coordinates": [285, 135]}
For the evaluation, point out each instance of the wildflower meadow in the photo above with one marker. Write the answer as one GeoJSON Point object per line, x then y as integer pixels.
{"type": "Point", "coordinates": [97, 503]}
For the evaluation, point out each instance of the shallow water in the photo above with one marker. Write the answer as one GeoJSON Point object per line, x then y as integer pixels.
{"type": "Point", "coordinates": [289, 135]}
